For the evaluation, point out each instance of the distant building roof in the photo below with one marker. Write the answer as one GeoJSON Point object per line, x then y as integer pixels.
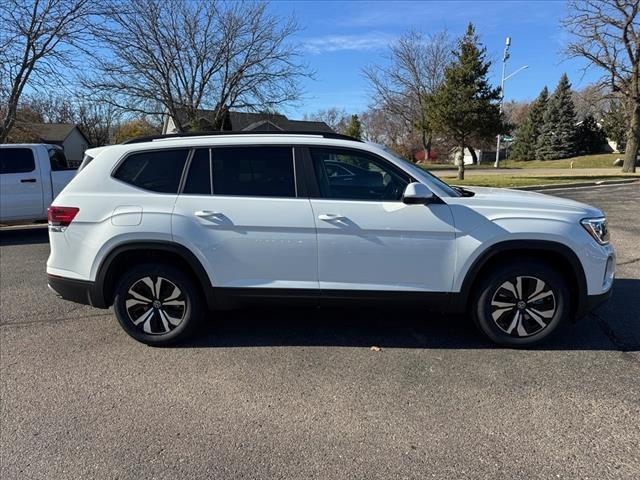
{"type": "Point", "coordinates": [55, 133]}
{"type": "Point", "coordinates": [246, 121]}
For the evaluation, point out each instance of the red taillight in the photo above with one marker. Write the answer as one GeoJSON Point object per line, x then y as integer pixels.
{"type": "Point", "coordinates": [61, 216]}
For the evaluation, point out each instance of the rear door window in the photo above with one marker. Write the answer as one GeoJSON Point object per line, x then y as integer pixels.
{"type": "Point", "coordinates": [16, 160]}
{"type": "Point", "coordinates": [198, 180]}
{"type": "Point", "coordinates": [159, 170]}
{"type": "Point", "coordinates": [253, 171]}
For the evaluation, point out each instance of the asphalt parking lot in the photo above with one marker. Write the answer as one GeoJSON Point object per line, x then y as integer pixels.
{"type": "Point", "coordinates": [301, 394]}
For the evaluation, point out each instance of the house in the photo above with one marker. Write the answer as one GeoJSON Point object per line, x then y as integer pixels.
{"type": "Point", "coordinates": [246, 121]}
{"type": "Point", "coordinates": [610, 145]}
{"type": "Point", "coordinates": [482, 156]}
{"type": "Point", "coordinates": [66, 135]}
{"type": "Point", "coordinates": [613, 146]}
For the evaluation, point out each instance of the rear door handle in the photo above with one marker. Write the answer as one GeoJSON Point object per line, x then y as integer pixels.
{"type": "Point", "coordinates": [327, 217]}
{"type": "Point", "coordinates": [28, 180]}
{"type": "Point", "coordinates": [207, 213]}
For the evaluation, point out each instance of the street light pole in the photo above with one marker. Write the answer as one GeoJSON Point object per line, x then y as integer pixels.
{"type": "Point", "coordinates": [505, 57]}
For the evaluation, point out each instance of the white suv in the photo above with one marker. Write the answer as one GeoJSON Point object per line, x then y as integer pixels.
{"type": "Point", "coordinates": [166, 229]}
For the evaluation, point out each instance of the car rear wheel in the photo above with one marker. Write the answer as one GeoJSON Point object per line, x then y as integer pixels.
{"type": "Point", "coordinates": [157, 304]}
{"type": "Point", "coordinates": [521, 303]}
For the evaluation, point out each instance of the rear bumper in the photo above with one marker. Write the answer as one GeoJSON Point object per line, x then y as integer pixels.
{"type": "Point", "coordinates": [78, 291]}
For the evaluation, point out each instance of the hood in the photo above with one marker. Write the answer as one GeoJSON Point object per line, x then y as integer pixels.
{"type": "Point", "coordinates": [507, 200]}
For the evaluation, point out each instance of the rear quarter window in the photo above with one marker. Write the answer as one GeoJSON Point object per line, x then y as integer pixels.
{"type": "Point", "coordinates": [158, 171]}
{"type": "Point", "coordinates": [16, 160]}
{"type": "Point", "coordinates": [58, 160]}
{"type": "Point", "coordinates": [86, 160]}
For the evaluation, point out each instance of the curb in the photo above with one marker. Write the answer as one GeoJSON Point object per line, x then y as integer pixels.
{"type": "Point", "coordinates": [578, 185]}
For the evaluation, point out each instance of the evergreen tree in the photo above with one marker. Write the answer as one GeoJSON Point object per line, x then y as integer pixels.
{"type": "Point", "coordinates": [354, 129]}
{"type": "Point", "coordinates": [465, 108]}
{"type": "Point", "coordinates": [558, 133]}
{"type": "Point", "coordinates": [526, 137]}
{"type": "Point", "coordinates": [590, 137]}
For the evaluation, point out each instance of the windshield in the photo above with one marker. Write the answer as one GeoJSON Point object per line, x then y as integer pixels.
{"type": "Point", "coordinates": [422, 174]}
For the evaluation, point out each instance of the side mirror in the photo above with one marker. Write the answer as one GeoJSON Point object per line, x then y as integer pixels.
{"type": "Point", "coordinates": [417, 194]}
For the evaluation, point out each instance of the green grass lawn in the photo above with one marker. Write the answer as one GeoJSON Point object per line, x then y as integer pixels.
{"type": "Point", "coordinates": [514, 181]}
{"type": "Point", "coordinates": [602, 160]}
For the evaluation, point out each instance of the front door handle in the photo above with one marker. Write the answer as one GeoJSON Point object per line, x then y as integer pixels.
{"type": "Point", "coordinates": [28, 180]}
{"type": "Point", "coordinates": [207, 213]}
{"type": "Point", "coordinates": [327, 217]}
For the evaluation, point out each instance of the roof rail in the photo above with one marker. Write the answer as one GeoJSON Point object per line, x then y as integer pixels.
{"type": "Point", "coordinates": [150, 138]}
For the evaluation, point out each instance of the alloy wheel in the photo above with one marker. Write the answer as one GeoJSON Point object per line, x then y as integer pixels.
{"type": "Point", "coordinates": [523, 306]}
{"type": "Point", "coordinates": [155, 305]}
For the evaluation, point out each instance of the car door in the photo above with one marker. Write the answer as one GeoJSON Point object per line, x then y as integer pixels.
{"type": "Point", "coordinates": [243, 211]}
{"type": "Point", "coordinates": [61, 173]}
{"type": "Point", "coordinates": [20, 185]}
{"type": "Point", "coordinates": [368, 239]}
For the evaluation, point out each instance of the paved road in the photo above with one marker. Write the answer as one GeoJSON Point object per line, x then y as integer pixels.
{"type": "Point", "coordinates": [299, 394]}
{"type": "Point", "coordinates": [535, 172]}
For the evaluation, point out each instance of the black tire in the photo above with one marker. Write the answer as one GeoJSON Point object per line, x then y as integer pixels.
{"type": "Point", "coordinates": [157, 320]}
{"type": "Point", "coordinates": [521, 325]}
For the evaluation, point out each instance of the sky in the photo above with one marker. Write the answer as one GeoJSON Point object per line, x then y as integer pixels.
{"type": "Point", "coordinates": [339, 38]}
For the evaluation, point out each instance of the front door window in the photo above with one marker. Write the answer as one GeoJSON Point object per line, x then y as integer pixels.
{"type": "Point", "coordinates": [352, 175]}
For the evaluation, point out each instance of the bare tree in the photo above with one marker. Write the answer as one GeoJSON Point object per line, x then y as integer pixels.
{"type": "Point", "coordinates": [336, 118]}
{"type": "Point", "coordinates": [516, 112]}
{"type": "Point", "coordinates": [96, 120]}
{"type": "Point", "coordinates": [607, 35]}
{"type": "Point", "coordinates": [47, 108]}
{"type": "Point", "coordinates": [376, 126]}
{"type": "Point", "coordinates": [175, 57]}
{"type": "Point", "coordinates": [591, 100]}
{"type": "Point", "coordinates": [415, 70]}
{"type": "Point", "coordinates": [379, 126]}
{"type": "Point", "coordinates": [38, 43]}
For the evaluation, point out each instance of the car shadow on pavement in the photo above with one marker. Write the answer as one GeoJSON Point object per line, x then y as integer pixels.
{"type": "Point", "coordinates": [24, 235]}
{"type": "Point", "coordinates": [613, 326]}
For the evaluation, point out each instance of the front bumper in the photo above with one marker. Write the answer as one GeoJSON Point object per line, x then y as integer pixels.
{"type": "Point", "coordinates": [590, 302]}
{"type": "Point", "coordinates": [78, 291]}
{"type": "Point", "coordinates": [600, 269]}
{"type": "Point", "coordinates": [594, 301]}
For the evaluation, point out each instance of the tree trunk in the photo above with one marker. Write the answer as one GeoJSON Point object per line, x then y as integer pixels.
{"type": "Point", "coordinates": [426, 146]}
{"type": "Point", "coordinates": [8, 121]}
{"type": "Point", "coordinates": [461, 164]}
{"type": "Point", "coordinates": [633, 138]}
{"type": "Point", "coordinates": [5, 128]}
{"type": "Point", "coordinates": [19, 82]}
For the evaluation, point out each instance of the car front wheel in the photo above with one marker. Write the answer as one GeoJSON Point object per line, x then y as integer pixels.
{"type": "Point", "coordinates": [157, 304]}
{"type": "Point", "coordinates": [521, 303]}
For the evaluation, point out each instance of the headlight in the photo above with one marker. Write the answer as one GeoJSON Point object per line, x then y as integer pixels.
{"type": "Point", "coordinates": [597, 228]}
